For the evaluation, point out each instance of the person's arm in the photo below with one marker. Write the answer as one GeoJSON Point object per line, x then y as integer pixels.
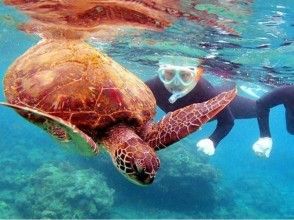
{"type": "Point", "coordinates": [263, 106]}
{"type": "Point", "coordinates": [263, 146]}
{"type": "Point", "coordinates": [225, 122]}
{"type": "Point", "coordinates": [225, 119]}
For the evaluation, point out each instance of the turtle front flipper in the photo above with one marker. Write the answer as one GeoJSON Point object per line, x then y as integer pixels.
{"type": "Point", "coordinates": [71, 137]}
{"type": "Point", "coordinates": [178, 124]}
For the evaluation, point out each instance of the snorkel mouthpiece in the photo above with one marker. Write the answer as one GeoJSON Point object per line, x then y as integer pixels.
{"type": "Point", "coordinates": [175, 96]}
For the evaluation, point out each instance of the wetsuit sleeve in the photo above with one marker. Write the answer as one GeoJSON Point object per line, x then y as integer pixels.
{"type": "Point", "coordinates": [225, 122]}
{"type": "Point", "coordinates": [263, 106]}
{"type": "Point", "coordinates": [159, 92]}
{"type": "Point", "coordinates": [152, 84]}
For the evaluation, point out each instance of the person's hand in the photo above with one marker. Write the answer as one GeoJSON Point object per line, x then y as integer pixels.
{"type": "Point", "coordinates": [206, 146]}
{"type": "Point", "coordinates": [263, 146]}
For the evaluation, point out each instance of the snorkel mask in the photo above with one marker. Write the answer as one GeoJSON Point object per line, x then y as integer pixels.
{"type": "Point", "coordinates": [179, 80]}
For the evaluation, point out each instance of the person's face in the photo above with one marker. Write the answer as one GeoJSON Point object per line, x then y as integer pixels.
{"type": "Point", "coordinates": [178, 79]}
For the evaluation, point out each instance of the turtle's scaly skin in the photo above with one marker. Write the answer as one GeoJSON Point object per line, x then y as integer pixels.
{"type": "Point", "coordinates": [73, 81]}
{"type": "Point", "coordinates": [174, 128]}
{"type": "Point", "coordinates": [80, 95]}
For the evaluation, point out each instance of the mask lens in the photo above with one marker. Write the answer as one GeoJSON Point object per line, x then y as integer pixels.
{"type": "Point", "coordinates": [187, 76]}
{"type": "Point", "coordinates": [167, 75]}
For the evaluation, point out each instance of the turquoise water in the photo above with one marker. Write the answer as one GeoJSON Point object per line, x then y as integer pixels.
{"type": "Point", "coordinates": [40, 180]}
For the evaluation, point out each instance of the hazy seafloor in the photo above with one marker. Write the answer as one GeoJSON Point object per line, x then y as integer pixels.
{"type": "Point", "coordinates": [40, 180]}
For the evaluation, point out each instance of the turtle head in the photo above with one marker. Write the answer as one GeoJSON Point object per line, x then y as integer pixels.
{"type": "Point", "coordinates": [133, 157]}
{"type": "Point", "coordinates": [137, 161]}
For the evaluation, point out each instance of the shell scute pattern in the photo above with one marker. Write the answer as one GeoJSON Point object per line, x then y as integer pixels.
{"type": "Point", "coordinates": [78, 85]}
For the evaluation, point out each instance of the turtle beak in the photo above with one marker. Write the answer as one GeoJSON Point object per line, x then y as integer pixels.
{"type": "Point", "coordinates": [142, 177]}
{"type": "Point", "coordinates": [141, 182]}
{"type": "Point", "coordinates": [148, 180]}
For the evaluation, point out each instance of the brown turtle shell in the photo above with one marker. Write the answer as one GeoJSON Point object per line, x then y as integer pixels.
{"type": "Point", "coordinates": [73, 81]}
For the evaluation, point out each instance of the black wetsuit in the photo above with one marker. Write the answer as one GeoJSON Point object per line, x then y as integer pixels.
{"type": "Point", "coordinates": [240, 107]}
{"type": "Point", "coordinates": [283, 95]}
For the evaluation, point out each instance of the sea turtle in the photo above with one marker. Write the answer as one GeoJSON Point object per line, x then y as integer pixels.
{"type": "Point", "coordinates": [82, 96]}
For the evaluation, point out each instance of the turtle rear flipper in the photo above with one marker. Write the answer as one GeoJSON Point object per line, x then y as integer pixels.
{"type": "Point", "coordinates": [178, 124]}
{"type": "Point", "coordinates": [69, 135]}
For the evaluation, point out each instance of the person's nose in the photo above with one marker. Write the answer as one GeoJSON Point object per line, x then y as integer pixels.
{"type": "Point", "coordinates": [177, 82]}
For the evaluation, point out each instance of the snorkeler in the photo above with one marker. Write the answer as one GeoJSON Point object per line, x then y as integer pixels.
{"type": "Point", "coordinates": [177, 86]}
{"type": "Point", "coordinates": [186, 84]}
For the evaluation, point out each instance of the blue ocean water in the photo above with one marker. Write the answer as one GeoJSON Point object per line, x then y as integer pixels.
{"type": "Point", "coordinates": [40, 180]}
